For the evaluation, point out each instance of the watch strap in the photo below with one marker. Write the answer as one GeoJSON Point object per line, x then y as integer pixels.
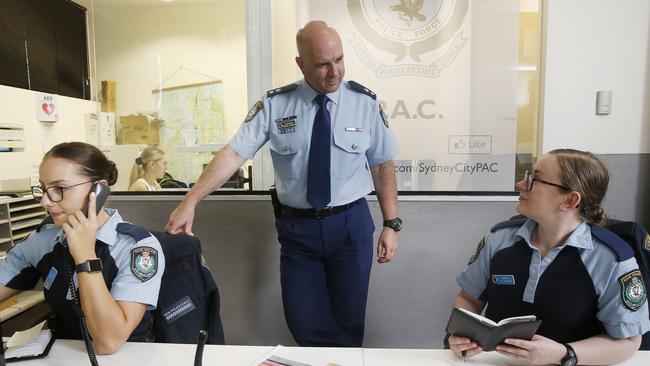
{"type": "Point", "coordinates": [571, 358]}
{"type": "Point", "coordinates": [89, 266]}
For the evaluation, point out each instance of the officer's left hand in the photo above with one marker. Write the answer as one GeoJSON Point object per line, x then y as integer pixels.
{"type": "Point", "coordinates": [538, 351]}
{"type": "Point", "coordinates": [81, 232]}
{"type": "Point", "coordinates": [387, 245]}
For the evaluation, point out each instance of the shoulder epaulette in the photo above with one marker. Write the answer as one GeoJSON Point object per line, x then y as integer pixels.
{"type": "Point", "coordinates": [136, 232]}
{"type": "Point", "coordinates": [513, 221]}
{"type": "Point", "coordinates": [281, 90]}
{"type": "Point", "coordinates": [614, 242]}
{"type": "Point", "coordinates": [361, 89]}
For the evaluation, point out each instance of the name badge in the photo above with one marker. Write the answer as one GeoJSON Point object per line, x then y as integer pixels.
{"type": "Point", "coordinates": [286, 124]}
{"type": "Point", "coordinates": [503, 279]}
{"type": "Point", "coordinates": [354, 129]}
{"type": "Point", "coordinates": [50, 278]}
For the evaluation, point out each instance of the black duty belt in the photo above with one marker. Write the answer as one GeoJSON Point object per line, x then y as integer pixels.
{"type": "Point", "coordinates": [311, 213]}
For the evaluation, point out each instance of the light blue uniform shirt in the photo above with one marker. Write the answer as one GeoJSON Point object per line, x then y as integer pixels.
{"type": "Point", "coordinates": [359, 139]}
{"type": "Point", "coordinates": [599, 260]}
{"type": "Point", "coordinates": [27, 255]}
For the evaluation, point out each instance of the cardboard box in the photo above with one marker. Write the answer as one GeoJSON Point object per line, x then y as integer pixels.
{"type": "Point", "coordinates": [138, 130]}
{"type": "Point", "coordinates": [108, 96]}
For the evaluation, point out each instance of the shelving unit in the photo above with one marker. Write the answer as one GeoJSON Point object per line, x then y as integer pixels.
{"type": "Point", "coordinates": [19, 216]}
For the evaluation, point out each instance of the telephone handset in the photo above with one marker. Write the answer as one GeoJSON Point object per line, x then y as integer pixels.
{"type": "Point", "coordinates": [101, 194]}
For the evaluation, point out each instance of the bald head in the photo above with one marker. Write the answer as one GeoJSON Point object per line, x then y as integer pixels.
{"type": "Point", "coordinates": [313, 33]}
{"type": "Point", "coordinates": [320, 56]}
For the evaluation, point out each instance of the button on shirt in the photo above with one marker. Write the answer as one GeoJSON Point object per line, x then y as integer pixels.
{"type": "Point", "coordinates": [359, 139]}
{"type": "Point", "coordinates": [600, 262]}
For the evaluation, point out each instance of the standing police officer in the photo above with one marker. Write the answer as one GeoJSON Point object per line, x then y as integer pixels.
{"type": "Point", "coordinates": [327, 139]}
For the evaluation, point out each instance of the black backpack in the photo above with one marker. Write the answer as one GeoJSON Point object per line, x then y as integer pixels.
{"type": "Point", "coordinates": [189, 298]}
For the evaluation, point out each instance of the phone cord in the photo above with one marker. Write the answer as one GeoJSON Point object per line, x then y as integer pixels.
{"type": "Point", "coordinates": [76, 305]}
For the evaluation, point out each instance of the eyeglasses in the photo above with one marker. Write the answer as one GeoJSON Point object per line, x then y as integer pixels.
{"type": "Point", "coordinates": [530, 179]}
{"type": "Point", "coordinates": [54, 193]}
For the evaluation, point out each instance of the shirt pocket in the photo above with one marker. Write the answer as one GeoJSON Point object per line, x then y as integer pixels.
{"type": "Point", "coordinates": [350, 151]}
{"type": "Point", "coordinates": [287, 153]}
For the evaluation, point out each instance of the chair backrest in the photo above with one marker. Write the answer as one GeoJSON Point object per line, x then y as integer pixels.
{"type": "Point", "coordinates": [189, 297]}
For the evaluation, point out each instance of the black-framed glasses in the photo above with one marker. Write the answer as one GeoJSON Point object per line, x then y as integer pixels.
{"type": "Point", "coordinates": [530, 178]}
{"type": "Point", "coordinates": [54, 193]}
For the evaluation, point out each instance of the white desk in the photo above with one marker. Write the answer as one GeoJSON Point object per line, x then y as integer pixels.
{"type": "Point", "coordinates": [73, 353]}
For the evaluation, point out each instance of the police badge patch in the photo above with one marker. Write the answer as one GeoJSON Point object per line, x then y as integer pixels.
{"type": "Point", "coordinates": [383, 115]}
{"type": "Point", "coordinates": [633, 290]}
{"type": "Point", "coordinates": [646, 243]}
{"type": "Point", "coordinates": [286, 124]}
{"type": "Point", "coordinates": [257, 107]}
{"type": "Point", "coordinates": [144, 262]}
{"type": "Point", "coordinates": [479, 247]}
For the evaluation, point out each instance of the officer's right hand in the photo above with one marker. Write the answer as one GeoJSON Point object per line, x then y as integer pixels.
{"type": "Point", "coordinates": [181, 219]}
{"type": "Point", "coordinates": [460, 344]}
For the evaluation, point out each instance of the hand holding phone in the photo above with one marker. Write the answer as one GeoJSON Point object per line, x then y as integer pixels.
{"type": "Point", "coordinates": [81, 228]}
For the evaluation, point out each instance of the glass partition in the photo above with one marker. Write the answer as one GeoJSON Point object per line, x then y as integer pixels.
{"type": "Point", "coordinates": [459, 80]}
{"type": "Point", "coordinates": [172, 75]}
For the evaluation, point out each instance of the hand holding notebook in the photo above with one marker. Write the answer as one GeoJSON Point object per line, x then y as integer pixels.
{"type": "Point", "coordinates": [488, 333]}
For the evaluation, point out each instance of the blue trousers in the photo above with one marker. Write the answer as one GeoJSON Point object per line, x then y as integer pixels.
{"type": "Point", "coordinates": [325, 268]}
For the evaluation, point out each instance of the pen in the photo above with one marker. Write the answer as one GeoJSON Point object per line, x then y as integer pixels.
{"type": "Point", "coordinates": [464, 354]}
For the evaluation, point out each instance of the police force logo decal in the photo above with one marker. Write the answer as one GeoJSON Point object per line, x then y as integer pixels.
{"type": "Point", "coordinates": [412, 28]}
{"type": "Point", "coordinates": [144, 262]}
{"type": "Point", "coordinates": [633, 290]}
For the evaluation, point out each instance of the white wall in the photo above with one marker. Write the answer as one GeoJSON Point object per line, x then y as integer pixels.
{"type": "Point", "coordinates": [597, 45]}
{"type": "Point", "coordinates": [139, 46]}
{"type": "Point", "coordinates": [18, 107]}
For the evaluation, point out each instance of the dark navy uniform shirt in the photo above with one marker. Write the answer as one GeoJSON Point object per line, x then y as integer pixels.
{"type": "Point", "coordinates": [579, 289]}
{"type": "Point", "coordinates": [128, 275]}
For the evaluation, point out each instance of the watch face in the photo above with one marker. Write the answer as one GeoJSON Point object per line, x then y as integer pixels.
{"type": "Point", "coordinates": [397, 224]}
{"type": "Point", "coordinates": [95, 265]}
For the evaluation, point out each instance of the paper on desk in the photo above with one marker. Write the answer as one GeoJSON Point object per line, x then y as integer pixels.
{"type": "Point", "coordinates": [23, 337]}
{"type": "Point", "coordinates": [292, 357]}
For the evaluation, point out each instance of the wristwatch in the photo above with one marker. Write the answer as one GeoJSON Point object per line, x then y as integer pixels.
{"type": "Point", "coordinates": [395, 224]}
{"type": "Point", "coordinates": [571, 358]}
{"type": "Point", "coordinates": [91, 265]}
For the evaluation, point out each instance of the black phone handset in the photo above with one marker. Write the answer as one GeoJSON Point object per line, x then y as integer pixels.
{"type": "Point", "coordinates": [101, 194]}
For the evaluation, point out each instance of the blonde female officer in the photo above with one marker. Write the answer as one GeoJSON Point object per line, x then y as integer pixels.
{"type": "Point", "coordinates": [581, 280]}
{"type": "Point", "coordinates": [116, 285]}
{"type": "Point", "coordinates": [148, 168]}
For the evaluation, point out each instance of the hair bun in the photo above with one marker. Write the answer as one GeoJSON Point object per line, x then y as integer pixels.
{"type": "Point", "coordinates": [112, 174]}
{"type": "Point", "coordinates": [595, 214]}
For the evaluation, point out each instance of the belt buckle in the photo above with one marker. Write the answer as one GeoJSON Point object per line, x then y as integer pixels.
{"type": "Point", "coordinates": [324, 213]}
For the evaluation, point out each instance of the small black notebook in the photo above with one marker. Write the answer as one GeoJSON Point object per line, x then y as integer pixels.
{"type": "Point", "coordinates": [486, 332]}
{"type": "Point", "coordinates": [39, 347]}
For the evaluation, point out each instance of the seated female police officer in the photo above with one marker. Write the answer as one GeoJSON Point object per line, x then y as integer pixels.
{"type": "Point", "coordinates": [114, 298]}
{"type": "Point", "coordinates": [561, 266]}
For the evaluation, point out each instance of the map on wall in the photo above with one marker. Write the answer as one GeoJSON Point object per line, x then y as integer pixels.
{"type": "Point", "coordinates": [193, 116]}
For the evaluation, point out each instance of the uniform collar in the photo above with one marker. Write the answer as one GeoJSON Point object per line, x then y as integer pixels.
{"type": "Point", "coordinates": [308, 93]}
{"type": "Point", "coordinates": [579, 238]}
{"type": "Point", "coordinates": [107, 233]}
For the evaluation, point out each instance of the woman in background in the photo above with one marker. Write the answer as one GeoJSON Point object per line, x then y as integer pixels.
{"type": "Point", "coordinates": [148, 168]}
